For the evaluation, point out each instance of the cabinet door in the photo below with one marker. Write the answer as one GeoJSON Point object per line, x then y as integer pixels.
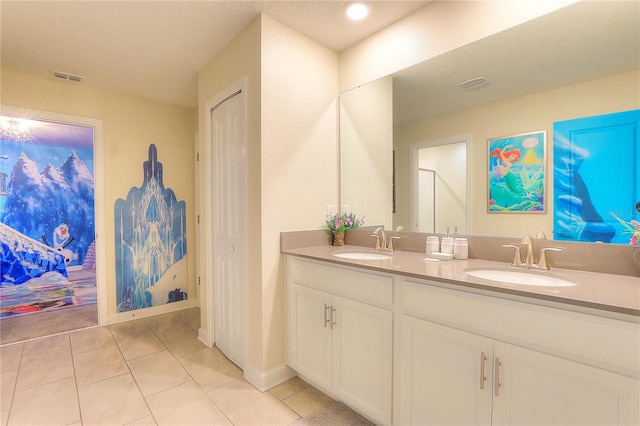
{"type": "Point", "coordinates": [441, 375]}
{"type": "Point", "coordinates": [537, 388]}
{"type": "Point", "coordinates": [309, 334]}
{"type": "Point", "coordinates": [362, 348]}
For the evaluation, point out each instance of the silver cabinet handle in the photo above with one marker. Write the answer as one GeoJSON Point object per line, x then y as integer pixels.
{"type": "Point", "coordinates": [333, 319]}
{"type": "Point", "coordinates": [326, 317]}
{"type": "Point", "coordinates": [483, 361]}
{"type": "Point", "coordinates": [496, 376]}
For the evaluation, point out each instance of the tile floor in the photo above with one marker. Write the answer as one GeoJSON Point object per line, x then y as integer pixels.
{"type": "Point", "coordinates": [144, 372]}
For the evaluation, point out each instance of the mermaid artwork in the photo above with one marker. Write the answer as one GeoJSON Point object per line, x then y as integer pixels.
{"type": "Point", "coordinates": [511, 186]}
{"type": "Point", "coordinates": [503, 169]}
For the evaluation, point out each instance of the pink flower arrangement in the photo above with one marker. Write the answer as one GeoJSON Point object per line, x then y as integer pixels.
{"type": "Point", "coordinates": [341, 222]}
{"type": "Point", "coordinates": [633, 227]}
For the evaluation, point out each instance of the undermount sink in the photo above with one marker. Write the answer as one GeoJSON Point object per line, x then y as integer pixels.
{"type": "Point", "coordinates": [362, 255]}
{"type": "Point", "coordinates": [520, 277]}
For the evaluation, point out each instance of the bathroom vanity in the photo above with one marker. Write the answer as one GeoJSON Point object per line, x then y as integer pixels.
{"type": "Point", "coordinates": [406, 341]}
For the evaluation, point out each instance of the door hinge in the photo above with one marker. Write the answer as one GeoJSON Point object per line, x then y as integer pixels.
{"type": "Point", "coordinates": [198, 280]}
{"type": "Point", "coordinates": [198, 218]}
{"type": "Point", "coordinates": [197, 156]}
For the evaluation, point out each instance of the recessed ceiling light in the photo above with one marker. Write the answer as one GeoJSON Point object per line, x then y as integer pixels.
{"type": "Point", "coordinates": [357, 11]}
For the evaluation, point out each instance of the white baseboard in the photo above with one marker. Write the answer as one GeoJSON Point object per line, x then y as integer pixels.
{"type": "Point", "coordinates": [263, 381]}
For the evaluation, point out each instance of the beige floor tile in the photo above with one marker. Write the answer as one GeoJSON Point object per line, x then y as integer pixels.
{"type": "Point", "coordinates": [307, 401]}
{"type": "Point", "coordinates": [129, 327]}
{"type": "Point", "coordinates": [7, 386]}
{"type": "Point", "coordinates": [45, 368]}
{"type": "Point", "coordinates": [191, 317]}
{"type": "Point", "coordinates": [46, 344]}
{"type": "Point", "coordinates": [90, 339]}
{"type": "Point", "coordinates": [195, 407]}
{"type": "Point", "coordinates": [157, 372]}
{"type": "Point", "coordinates": [145, 421]}
{"type": "Point", "coordinates": [210, 368]}
{"type": "Point", "coordinates": [114, 401]}
{"type": "Point", "coordinates": [164, 322]}
{"type": "Point", "coordinates": [138, 343]}
{"type": "Point", "coordinates": [99, 364]}
{"type": "Point", "coordinates": [55, 403]}
{"type": "Point", "coordinates": [288, 388]}
{"type": "Point", "coordinates": [245, 405]}
{"type": "Point", "coordinates": [181, 341]}
{"type": "Point", "coordinates": [4, 417]}
{"type": "Point", "coordinates": [10, 357]}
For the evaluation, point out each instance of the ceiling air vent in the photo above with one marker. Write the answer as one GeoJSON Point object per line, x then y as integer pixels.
{"type": "Point", "coordinates": [474, 83]}
{"type": "Point", "coordinates": [66, 76]}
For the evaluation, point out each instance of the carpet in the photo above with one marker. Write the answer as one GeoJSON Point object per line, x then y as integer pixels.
{"type": "Point", "coordinates": [25, 327]}
{"type": "Point", "coordinates": [334, 414]}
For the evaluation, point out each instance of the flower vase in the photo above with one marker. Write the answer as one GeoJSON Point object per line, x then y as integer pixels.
{"type": "Point", "coordinates": [338, 239]}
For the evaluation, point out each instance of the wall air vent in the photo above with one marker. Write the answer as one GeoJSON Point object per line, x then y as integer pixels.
{"type": "Point", "coordinates": [474, 83]}
{"type": "Point", "coordinates": [66, 76]}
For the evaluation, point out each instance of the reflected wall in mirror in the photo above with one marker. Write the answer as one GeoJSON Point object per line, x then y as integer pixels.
{"type": "Point", "coordinates": [580, 61]}
{"type": "Point", "coordinates": [366, 152]}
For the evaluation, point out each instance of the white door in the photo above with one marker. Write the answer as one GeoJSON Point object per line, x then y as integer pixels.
{"type": "Point", "coordinates": [426, 201]}
{"type": "Point", "coordinates": [540, 389]}
{"type": "Point", "coordinates": [309, 334]}
{"type": "Point", "coordinates": [362, 357]}
{"type": "Point", "coordinates": [445, 375]}
{"type": "Point", "coordinates": [228, 142]}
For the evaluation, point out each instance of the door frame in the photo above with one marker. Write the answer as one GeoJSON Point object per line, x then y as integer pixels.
{"type": "Point", "coordinates": [414, 164]}
{"type": "Point", "coordinates": [98, 191]}
{"type": "Point", "coordinates": [207, 335]}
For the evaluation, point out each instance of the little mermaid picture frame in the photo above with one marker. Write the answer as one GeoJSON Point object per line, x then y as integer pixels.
{"type": "Point", "coordinates": [517, 173]}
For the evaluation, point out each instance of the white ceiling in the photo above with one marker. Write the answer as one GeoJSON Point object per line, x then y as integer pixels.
{"type": "Point", "coordinates": [154, 49]}
{"type": "Point", "coordinates": [581, 42]}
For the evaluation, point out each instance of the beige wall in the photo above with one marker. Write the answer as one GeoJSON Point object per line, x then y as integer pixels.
{"type": "Point", "coordinates": [524, 114]}
{"type": "Point", "coordinates": [240, 59]}
{"type": "Point", "coordinates": [130, 125]}
{"type": "Point", "coordinates": [292, 153]}
{"type": "Point", "coordinates": [437, 28]}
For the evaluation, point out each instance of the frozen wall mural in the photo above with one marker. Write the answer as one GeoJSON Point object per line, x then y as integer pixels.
{"type": "Point", "coordinates": [47, 225]}
{"type": "Point", "coordinates": [151, 243]}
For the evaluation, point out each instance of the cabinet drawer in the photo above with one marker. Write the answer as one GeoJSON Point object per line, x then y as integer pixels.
{"type": "Point", "coordinates": [365, 287]}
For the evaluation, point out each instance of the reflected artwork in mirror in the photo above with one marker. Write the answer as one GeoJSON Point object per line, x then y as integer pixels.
{"type": "Point", "coordinates": [582, 60]}
{"type": "Point", "coordinates": [596, 179]}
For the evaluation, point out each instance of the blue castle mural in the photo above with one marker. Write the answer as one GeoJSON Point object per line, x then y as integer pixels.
{"type": "Point", "coordinates": [151, 243]}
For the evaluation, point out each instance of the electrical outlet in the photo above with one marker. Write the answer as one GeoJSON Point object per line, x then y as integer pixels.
{"type": "Point", "coordinates": [346, 208]}
{"type": "Point", "coordinates": [331, 210]}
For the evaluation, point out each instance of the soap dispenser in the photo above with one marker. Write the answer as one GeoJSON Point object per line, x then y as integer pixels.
{"type": "Point", "coordinates": [447, 243]}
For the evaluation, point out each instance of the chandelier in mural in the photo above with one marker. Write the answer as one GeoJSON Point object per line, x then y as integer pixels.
{"type": "Point", "coordinates": [16, 129]}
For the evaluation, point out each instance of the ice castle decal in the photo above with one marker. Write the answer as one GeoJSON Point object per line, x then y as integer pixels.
{"type": "Point", "coordinates": [151, 243]}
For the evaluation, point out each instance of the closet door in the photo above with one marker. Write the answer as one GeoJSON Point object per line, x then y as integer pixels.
{"type": "Point", "coordinates": [228, 134]}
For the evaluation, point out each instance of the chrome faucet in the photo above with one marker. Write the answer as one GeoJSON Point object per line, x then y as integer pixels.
{"type": "Point", "coordinates": [382, 243]}
{"type": "Point", "coordinates": [530, 258]}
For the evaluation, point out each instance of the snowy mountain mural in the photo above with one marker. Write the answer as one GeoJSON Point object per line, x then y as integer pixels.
{"type": "Point", "coordinates": [151, 243]}
{"type": "Point", "coordinates": [54, 206]}
{"type": "Point", "coordinates": [47, 225]}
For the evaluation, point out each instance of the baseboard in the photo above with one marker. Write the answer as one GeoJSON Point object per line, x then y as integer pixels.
{"type": "Point", "coordinates": [263, 381]}
{"type": "Point", "coordinates": [149, 312]}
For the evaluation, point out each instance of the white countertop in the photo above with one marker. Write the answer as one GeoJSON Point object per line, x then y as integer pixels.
{"type": "Point", "coordinates": [619, 294]}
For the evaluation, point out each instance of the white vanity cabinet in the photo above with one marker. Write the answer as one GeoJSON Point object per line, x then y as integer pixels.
{"type": "Point", "coordinates": [470, 359]}
{"type": "Point", "coordinates": [339, 333]}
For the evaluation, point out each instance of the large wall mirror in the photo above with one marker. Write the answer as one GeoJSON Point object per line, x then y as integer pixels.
{"type": "Point", "coordinates": [580, 61]}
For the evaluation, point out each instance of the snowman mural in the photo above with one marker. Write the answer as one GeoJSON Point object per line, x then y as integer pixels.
{"type": "Point", "coordinates": [61, 239]}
